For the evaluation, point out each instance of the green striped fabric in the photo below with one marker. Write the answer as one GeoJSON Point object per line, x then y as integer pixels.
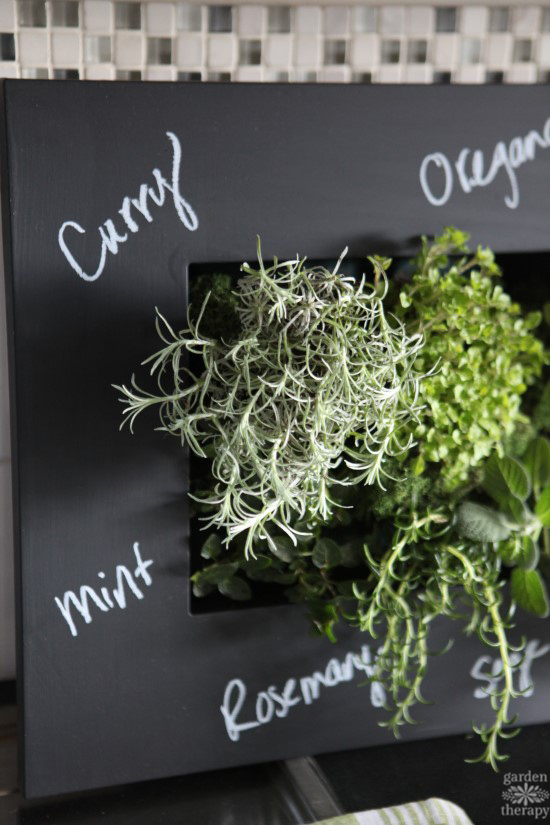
{"type": "Point", "coordinates": [430, 812]}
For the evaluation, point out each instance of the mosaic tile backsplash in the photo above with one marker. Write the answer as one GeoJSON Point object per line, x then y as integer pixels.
{"type": "Point", "coordinates": [102, 39]}
{"type": "Point", "coordinates": [168, 40]}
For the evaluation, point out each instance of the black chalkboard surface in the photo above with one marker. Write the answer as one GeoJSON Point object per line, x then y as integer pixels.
{"type": "Point", "coordinates": [110, 193]}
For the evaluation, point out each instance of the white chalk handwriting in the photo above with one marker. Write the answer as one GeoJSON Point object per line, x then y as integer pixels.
{"type": "Point", "coordinates": [276, 702]}
{"type": "Point", "coordinates": [124, 578]}
{"type": "Point", "coordinates": [111, 237]}
{"type": "Point", "coordinates": [488, 669]}
{"type": "Point", "coordinates": [437, 172]}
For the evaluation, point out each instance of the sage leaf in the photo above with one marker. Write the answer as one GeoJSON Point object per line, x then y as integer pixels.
{"type": "Point", "coordinates": [514, 508]}
{"type": "Point", "coordinates": [529, 554]}
{"type": "Point", "coordinates": [537, 461]}
{"type": "Point", "coordinates": [480, 523]}
{"type": "Point", "coordinates": [542, 507]}
{"type": "Point", "coordinates": [529, 591]}
{"type": "Point", "coordinates": [504, 477]}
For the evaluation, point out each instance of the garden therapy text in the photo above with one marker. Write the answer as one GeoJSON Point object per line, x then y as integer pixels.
{"type": "Point", "coordinates": [472, 171]}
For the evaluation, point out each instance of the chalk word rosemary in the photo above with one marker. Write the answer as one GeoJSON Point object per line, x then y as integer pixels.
{"type": "Point", "coordinates": [473, 172]}
{"type": "Point", "coordinates": [489, 669]}
{"type": "Point", "coordinates": [276, 703]}
{"type": "Point", "coordinates": [124, 578]}
{"type": "Point", "coordinates": [111, 238]}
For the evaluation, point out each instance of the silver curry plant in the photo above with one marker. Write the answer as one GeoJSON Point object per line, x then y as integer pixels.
{"type": "Point", "coordinates": [318, 377]}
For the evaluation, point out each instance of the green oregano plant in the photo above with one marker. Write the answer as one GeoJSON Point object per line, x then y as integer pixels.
{"type": "Point", "coordinates": [486, 352]}
{"type": "Point", "coordinates": [376, 450]}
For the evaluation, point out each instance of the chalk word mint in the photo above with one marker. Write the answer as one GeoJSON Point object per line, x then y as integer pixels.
{"type": "Point", "coordinates": [131, 210]}
{"type": "Point", "coordinates": [276, 702]}
{"type": "Point", "coordinates": [126, 582]}
{"type": "Point", "coordinates": [472, 170]}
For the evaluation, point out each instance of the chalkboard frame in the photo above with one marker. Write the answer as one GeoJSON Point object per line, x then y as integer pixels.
{"type": "Point", "coordinates": [137, 692]}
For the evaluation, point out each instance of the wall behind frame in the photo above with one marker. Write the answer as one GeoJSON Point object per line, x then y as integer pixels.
{"type": "Point", "coordinates": [339, 42]}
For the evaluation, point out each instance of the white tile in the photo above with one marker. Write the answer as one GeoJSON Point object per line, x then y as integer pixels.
{"type": "Point", "coordinates": [189, 17]}
{"type": "Point", "coordinates": [251, 20]}
{"type": "Point", "coordinates": [9, 70]}
{"type": "Point", "coordinates": [33, 47]}
{"type": "Point", "coordinates": [470, 74]}
{"type": "Point", "coordinates": [159, 18]}
{"type": "Point", "coordinates": [307, 50]}
{"type": "Point", "coordinates": [337, 20]}
{"type": "Point", "coordinates": [364, 19]}
{"type": "Point", "coordinates": [389, 74]}
{"type": "Point", "coordinates": [526, 20]}
{"type": "Point", "coordinates": [307, 19]}
{"type": "Point", "coordinates": [365, 49]}
{"type": "Point", "coordinates": [128, 50]}
{"type": "Point", "coordinates": [498, 50]}
{"type": "Point", "coordinates": [98, 49]}
{"type": "Point", "coordinates": [279, 19]}
{"type": "Point", "coordinates": [474, 20]}
{"type": "Point", "coordinates": [304, 76]}
{"type": "Point", "coordinates": [249, 74]}
{"type": "Point", "coordinates": [160, 73]}
{"type": "Point", "coordinates": [276, 76]}
{"type": "Point", "coordinates": [100, 71]}
{"type": "Point", "coordinates": [189, 50]}
{"type": "Point", "coordinates": [522, 73]}
{"type": "Point", "coordinates": [277, 50]}
{"type": "Point", "coordinates": [417, 74]}
{"type": "Point", "coordinates": [335, 74]}
{"type": "Point", "coordinates": [7, 15]}
{"type": "Point", "coordinates": [544, 50]}
{"type": "Point", "coordinates": [392, 20]}
{"type": "Point", "coordinates": [65, 48]}
{"type": "Point", "coordinates": [221, 51]}
{"type": "Point", "coordinates": [470, 50]}
{"type": "Point", "coordinates": [421, 20]}
{"type": "Point", "coordinates": [97, 15]}
{"type": "Point", "coordinates": [445, 50]}
{"type": "Point", "coordinates": [7, 588]}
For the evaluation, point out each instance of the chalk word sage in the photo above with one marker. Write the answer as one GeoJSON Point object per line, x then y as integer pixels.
{"type": "Point", "coordinates": [106, 599]}
{"type": "Point", "coordinates": [489, 669]}
{"type": "Point", "coordinates": [109, 235]}
{"type": "Point", "coordinates": [472, 170]}
{"type": "Point", "coordinates": [275, 703]}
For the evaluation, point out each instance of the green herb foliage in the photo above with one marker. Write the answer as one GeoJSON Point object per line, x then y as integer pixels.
{"type": "Point", "coordinates": [318, 389]}
{"type": "Point", "coordinates": [485, 349]}
{"type": "Point", "coordinates": [317, 375]}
